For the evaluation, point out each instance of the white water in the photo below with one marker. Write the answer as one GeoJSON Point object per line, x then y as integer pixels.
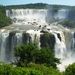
{"type": "Point", "coordinates": [3, 42]}
{"type": "Point", "coordinates": [35, 16]}
{"type": "Point", "coordinates": [18, 37]}
{"type": "Point", "coordinates": [64, 48]}
{"type": "Point", "coordinates": [26, 16]}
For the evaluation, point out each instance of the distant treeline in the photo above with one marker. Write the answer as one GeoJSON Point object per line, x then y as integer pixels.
{"type": "Point", "coordinates": [4, 20]}
{"type": "Point", "coordinates": [37, 6]}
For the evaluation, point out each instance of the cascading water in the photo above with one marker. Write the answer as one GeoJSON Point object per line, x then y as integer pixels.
{"type": "Point", "coordinates": [64, 49]}
{"type": "Point", "coordinates": [29, 23]}
{"type": "Point", "coordinates": [3, 43]}
{"type": "Point", "coordinates": [8, 40]}
{"type": "Point", "coordinates": [60, 47]}
{"type": "Point", "coordinates": [18, 37]}
{"type": "Point", "coordinates": [26, 16]}
{"type": "Point", "coordinates": [35, 36]}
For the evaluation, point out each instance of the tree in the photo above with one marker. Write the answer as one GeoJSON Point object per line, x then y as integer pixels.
{"type": "Point", "coordinates": [7, 69]}
{"type": "Point", "coordinates": [70, 70]}
{"type": "Point", "coordinates": [45, 56]}
{"type": "Point", "coordinates": [68, 23]}
{"type": "Point", "coordinates": [24, 53]}
{"type": "Point", "coordinates": [4, 20]}
{"type": "Point", "coordinates": [31, 53]}
{"type": "Point", "coordinates": [44, 69]}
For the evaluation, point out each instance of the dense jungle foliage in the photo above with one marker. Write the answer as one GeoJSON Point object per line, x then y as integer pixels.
{"type": "Point", "coordinates": [68, 23]}
{"type": "Point", "coordinates": [33, 61]}
{"type": "Point", "coordinates": [37, 6]}
{"type": "Point", "coordinates": [4, 20]}
{"type": "Point", "coordinates": [30, 60]}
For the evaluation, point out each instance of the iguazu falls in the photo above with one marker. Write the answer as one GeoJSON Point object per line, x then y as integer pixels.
{"type": "Point", "coordinates": [30, 25]}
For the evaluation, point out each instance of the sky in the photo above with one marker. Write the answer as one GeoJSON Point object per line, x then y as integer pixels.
{"type": "Point", "coordinates": [18, 2]}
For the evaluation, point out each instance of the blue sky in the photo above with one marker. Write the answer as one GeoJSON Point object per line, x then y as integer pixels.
{"type": "Point", "coordinates": [59, 2]}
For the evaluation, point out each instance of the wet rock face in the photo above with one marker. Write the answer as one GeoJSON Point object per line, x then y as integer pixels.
{"type": "Point", "coordinates": [47, 40]}
{"type": "Point", "coordinates": [59, 36]}
{"type": "Point", "coordinates": [25, 38]}
{"type": "Point", "coordinates": [74, 34]}
{"type": "Point", "coordinates": [71, 15]}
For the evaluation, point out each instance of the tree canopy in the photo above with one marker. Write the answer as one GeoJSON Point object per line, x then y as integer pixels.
{"type": "Point", "coordinates": [38, 6]}
{"type": "Point", "coordinates": [70, 70]}
{"type": "Point", "coordinates": [31, 53]}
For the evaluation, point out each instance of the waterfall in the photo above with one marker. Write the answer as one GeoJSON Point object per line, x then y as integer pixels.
{"type": "Point", "coordinates": [64, 48]}
{"type": "Point", "coordinates": [60, 48]}
{"type": "Point", "coordinates": [18, 37]}
{"type": "Point", "coordinates": [35, 36]}
{"type": "Point", "coordinates": [8, 40]}
{"type": "Point", "coordinates": [27, 15]}
{"type": "Point", "coordinates": [30, 23]}
{"type": "Point", "coordinates": [32, 16]}
{"type": "Point", "coordinates": [61, 14]}
{"type": "Point", "coordinates": [3, 46]}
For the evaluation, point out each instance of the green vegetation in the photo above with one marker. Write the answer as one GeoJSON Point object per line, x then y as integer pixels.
{"type": "Point", "coordinates": [44, 69]}
{"type": "Point", "coordinates": [38, 6]}
{"type": "Point", "coordinates": [4, 20]}
{"type": "Point", "coordinates": [31, 53]}
{"type": "Point", "coordinates": [30, 6]}
{"type": "Point", "coordinates": [32, 69]}
{"type": "Point", "coordinates": [53, 9]}
{"type": "Point", "coordinates": [70, 70]}
{"type": "Point", "coordinates": [47, 40]}
{"type": "Point", "coordinates": [68, 23]}
{"type": "Point", "coordinates": [6, 69]}
{"type": "Point", "coordinates": [12, 32]}
{"type": "Point", "coordinates": [31, 61]}
{"type": "Point", "coordinates": [34, 61]}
